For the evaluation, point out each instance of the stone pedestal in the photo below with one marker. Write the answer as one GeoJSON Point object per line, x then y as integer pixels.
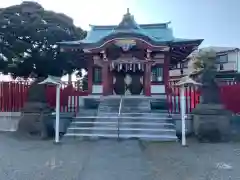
{"type": "Point", "coordinates": [36, 120]}
{"type": "Point", "coordinates": [211, 123]}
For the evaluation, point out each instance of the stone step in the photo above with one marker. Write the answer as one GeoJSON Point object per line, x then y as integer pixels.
{"type": "Point", "coordinates": [134, 121]}
{"type": "Point", "coordinates": [105, 128]}
{"type": "Point", "coordinates": [123, 124]}
{"type": "Point", "coordinates": [103, 109]}
{"type": "Point", "coordinates": [124, 136]}
{"type": "Point", "coordinates": [110, 104]}
{"type": "Point", "coordinates": [134, 133]}
{"type": "Point", "coordinates": [132, 127]}
{"type": "Point", "coordinates": [136, 113]}
{"type": "Point", "coordinates": [147, 116]}
{"type": "Point", "coordinates": [125, 118]}
{"type": "Point", "coordinates": [112, 130]}
{"type": "Point", "coordinates": [107, 104]}
{"type": "Point", "coordinates": [148, 133]}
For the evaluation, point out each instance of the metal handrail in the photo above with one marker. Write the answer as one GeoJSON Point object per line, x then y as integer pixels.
{"type": "Point", "coordinates": [119, 114]}
{"type": "Point", "coordinates": [101, 99]}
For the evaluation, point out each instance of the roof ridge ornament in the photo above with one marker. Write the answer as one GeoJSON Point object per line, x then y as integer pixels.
{"type": "Point", "coordinates": [128, 11]}
{"type": "Point", "coordinates": [128, 22]}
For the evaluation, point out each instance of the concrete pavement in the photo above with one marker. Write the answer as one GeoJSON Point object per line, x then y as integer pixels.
{"type": "Point", "coordinates": [22, 159]}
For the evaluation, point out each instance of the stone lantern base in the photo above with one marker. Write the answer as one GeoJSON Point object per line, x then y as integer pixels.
{"type": "Point", "coordinates": [211, 123]}
{"type": "Point", "coordinates": [36, 120]}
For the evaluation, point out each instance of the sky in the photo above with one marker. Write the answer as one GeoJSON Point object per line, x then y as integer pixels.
{"type": "Point", "coordinates": [215, 21]}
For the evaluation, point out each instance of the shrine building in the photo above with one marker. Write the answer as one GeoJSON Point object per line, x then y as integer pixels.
{"type": "Point", "coordinates": [131, 58]}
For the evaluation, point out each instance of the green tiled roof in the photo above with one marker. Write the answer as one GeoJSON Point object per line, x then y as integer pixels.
{"type": "Point", "coordinates": [159, 33]}
{"type": "Point", "coordinates": [156, 32]}
{"type": "Point", "coordinates": [156, 35]}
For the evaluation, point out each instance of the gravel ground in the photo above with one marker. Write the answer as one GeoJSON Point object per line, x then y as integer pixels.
{"type": "Point", "coordinates": [22, 159]}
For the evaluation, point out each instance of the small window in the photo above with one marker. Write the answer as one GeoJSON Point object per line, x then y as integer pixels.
{"type": "Point", "coordinates": [157, 74]}
{"type": "Point", "coordinates": [221, 67]}
{"type": "Point", "coordinates": [178, 65]}
{"type": "Point", "coordinates": [222, 58]}
{"type": "Point", "coordinates": [97, 75]}
{"type": "Point", "coordinates": [182, 65]}
{"type": "Point", "coordinates": [185, 64]}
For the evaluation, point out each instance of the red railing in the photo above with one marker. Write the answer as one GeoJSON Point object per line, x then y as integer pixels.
{"type": "Point", "coordinates": [69, 98]}
{"type": "Point", "coordinates": [13, 95]}
{"type": "Point", "coordinates": [230, 97]}
{"type": "Point", "coordinates": [192, 98]}
{"type": "Point", "coordinates": [229, 91]}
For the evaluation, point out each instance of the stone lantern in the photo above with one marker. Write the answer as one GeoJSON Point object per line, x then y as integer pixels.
{"type": "Point", "coordinates": [52, 80]}
{"type": "Point", "coordinates": [183, 83]}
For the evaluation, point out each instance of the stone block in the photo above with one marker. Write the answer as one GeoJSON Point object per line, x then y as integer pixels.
{"type": "Point", "coordinates": [212, 123]}
{"type": "Point", "coordinates": [91, 103]}
{"type": "Point", "coordinates": [36, 120]}
{"type": "Point", "coordinates": [159, 104]}
{"type": "Point", "coordinates": [9, 121]}
{"type": "Point", "coordinates": [178, 124]}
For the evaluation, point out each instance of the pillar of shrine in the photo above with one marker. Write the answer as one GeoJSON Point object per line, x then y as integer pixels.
{"type": "Point", "coordinates": [147, 79]}
{"type": "Point", "coordinates": [90, 76]}
{"type": "Point", "coordinates": [105, 78]}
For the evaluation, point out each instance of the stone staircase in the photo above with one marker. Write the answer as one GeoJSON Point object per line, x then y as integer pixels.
{"type": "Point", "coordinates": [100, 124]}
{"type": "Point", "coordinates": [135, 120]}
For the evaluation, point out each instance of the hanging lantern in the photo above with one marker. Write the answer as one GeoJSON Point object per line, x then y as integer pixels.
{"type": "Point", "coordinates": [118, 67]}
{"type": "Point", "coordinates": [141, 79]}
{"type": "Point", "coordinates": [128, 79]}
{"type": "Point", "coordinates": [114, 80]}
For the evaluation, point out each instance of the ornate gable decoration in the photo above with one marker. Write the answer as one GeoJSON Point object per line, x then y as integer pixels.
{"type": "Point", "coordinates": [125, 44]}
{"type": "Point", "coordinates": [128, 59]}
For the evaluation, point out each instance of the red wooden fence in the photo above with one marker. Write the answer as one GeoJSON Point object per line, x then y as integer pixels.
{"type": "Point", "coordinates": [65, 93]}
{"type": "Point", "coordinates": [230, 97]}
{"type": "Point", "coordinates": [228, 93]}
{"type": "Point", "coordinates": [13, 95]}
{"type": "Point", "coordinates": [192, 98]}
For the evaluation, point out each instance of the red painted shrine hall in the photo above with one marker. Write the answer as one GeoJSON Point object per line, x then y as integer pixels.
{"type": "Point", "coordinates": [131, 58]}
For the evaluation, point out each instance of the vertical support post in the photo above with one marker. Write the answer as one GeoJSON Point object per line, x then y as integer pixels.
{"type": "Point", "coordinates": [183, 114]}
{"type": "Point", "coordinates": [166, 71]}
{"type": "Point", "coordinates": [110, 82]}
{"type": "Point", "coordinates": [57, 113]}
{"type": "Point", "coordinates": [90, 77]}
{"type": "Point", "coordinates": [70, 79]}
{"type": "Point", "coordinates": [147, 79]}
{"type": "Point", "coordinates": [105, 78]}
{"type": "Point", "coordinates": [167, 83]}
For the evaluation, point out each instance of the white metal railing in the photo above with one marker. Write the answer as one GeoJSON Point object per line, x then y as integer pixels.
{"type": "Point", "coordinates": [119, 114]}
{"type": "Point", "coordinates": [120, 106]}
{"type": "Point", "coordinates": [101, 100]}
